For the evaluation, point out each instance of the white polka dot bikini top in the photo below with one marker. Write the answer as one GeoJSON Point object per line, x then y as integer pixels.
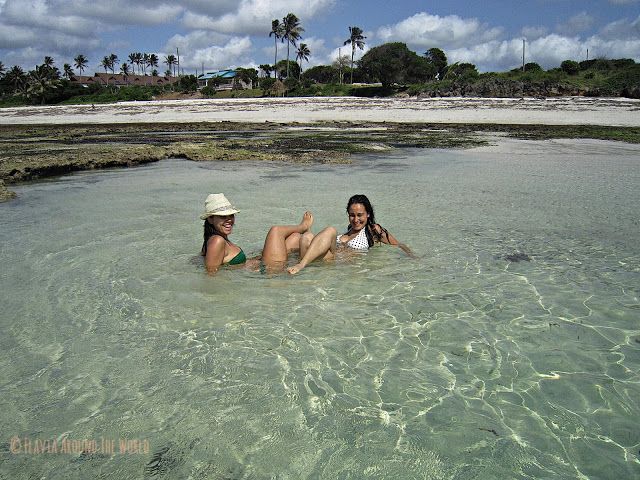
{"type": "Point", "coordinates": [359, 242]}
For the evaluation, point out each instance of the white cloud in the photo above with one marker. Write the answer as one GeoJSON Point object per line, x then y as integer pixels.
{"type": "Point", "coordinates": [425, 31]}
{"type": "Point", "coordinates": [255, 16]}
{"type": "Point", "coordinates": [236, 52]}
{"type": "Point", "coordinates": [623, 2]}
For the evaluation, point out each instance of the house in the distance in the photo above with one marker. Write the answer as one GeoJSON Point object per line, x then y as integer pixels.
{"type": "Point", "coordinates": [223, 80]}
{"type": "Point", "coordinates": [120, 80]}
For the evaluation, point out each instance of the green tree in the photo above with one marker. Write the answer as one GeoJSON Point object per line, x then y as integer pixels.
{"type": "Point", "coordinates": [356, 39]}
{"type": "Point", "coordinates": [302, 54]}
{"type": "Point", "coordinates": [106, 63]}
{"type": "Point", "coordinates": [67, 71]}
{"type": "Point", "coordinates": [394, 63]}
{"type": "Point", "coordinates": [48, 61]}
{"type": "Point", "coordinates": [277, 32]}
{"type": "Point", "coordinates": [322, 74]}
{"type": "Point", "coordinates": [40, 83]}
{"type": "Point", "coordinates": [292, 32]}
{"type": "Point", "coordinates": [81, 62]}
{"type": "Point", "coordinates": [16, 77]}
{"type": "Point", "coordinates": [532, 67]}
{"type": "Point", "coordinates": [461, 71]}
{"type": "Point", "coordinates": [570, 66]}
{"type": "Point", "coordinates": [113, 60]}
{"type": "Point", "coordinates": [438, 59]}
{"type": "Point", "coordinates": [124, 69]}
{"type": "Point", "coordinates": [284, 66]}
{"type": "Point", "coordinates": [248, 76]}
{"type": "Point", "coordinates": [139, 60]}
{"type": "Point", "coordinates": [145, 62]}
{"type": "Point", "coordinates": [133, 60]}
{"type": "Point", "coordinates": [171, 61]}
{"type": "Point", "coordinates": [152, 60]}
{"type": "Point", "coordinates": [1, 69]}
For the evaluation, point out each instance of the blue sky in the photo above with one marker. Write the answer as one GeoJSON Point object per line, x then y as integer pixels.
{"type": "Point", "coordinates": [232, 33]}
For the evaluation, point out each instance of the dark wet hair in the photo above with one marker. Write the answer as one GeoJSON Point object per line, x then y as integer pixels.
{"type": "Point", "coordinates": [370, 231]}
{"type": "Point", "coordinates": [209, 231]}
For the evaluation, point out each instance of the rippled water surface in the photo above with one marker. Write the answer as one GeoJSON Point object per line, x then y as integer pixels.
{"type": "Point", "coordinates": [510, 348]}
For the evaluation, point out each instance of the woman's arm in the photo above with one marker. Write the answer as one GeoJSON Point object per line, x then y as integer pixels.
{"type": "Point", "coordinates": [386, 237]}
{"type": "Point", "coordinates": [215, 254]}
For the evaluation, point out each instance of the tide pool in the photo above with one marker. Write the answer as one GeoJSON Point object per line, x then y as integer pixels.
{"type": "Point", "coordinates": [509, 348]}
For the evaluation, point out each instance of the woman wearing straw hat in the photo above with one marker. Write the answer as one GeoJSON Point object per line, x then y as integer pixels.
{"type": "Point", "coordinates": [218, 250]}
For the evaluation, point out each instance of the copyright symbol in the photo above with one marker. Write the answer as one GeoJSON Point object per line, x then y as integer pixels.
{"type": "Point", "coordinates": [15, 445]}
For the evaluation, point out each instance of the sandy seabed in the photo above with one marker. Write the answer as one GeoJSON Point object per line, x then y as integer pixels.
{"type": "Point", "coordinates": [515, 111]}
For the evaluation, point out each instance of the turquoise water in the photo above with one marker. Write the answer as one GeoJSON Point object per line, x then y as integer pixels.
{"type": "Point", "coordinates": [458, 364]}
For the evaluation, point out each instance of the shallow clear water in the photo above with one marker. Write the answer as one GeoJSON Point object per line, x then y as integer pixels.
{"type": "Point", "coordinates": [459, 364]}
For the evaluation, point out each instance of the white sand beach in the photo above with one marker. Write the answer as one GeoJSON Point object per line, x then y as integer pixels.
{"type": "Point", "coordinates": [539, 111]}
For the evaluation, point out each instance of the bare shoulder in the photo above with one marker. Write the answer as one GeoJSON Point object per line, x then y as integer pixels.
{"type": "Point", "coordinates": [216, 242]}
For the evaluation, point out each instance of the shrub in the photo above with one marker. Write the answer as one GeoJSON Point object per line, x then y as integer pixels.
{"type": "Point", "coordinates": [569, 66]}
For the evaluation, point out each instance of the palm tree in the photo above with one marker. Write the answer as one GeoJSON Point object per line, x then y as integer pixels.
{"type": "Point", "coordinates": [132, 60]}
{"type": "Point", "coordinates": [302, 54]}
{"type": "Point", "coordinates": [48, 62]}
{"type": "Point", "coordinates": [356, 39]}
{"type": "Point", "coordinates": [1, 69]}
{"type": "Point", "coordinates": [145, 62]}
{"type": "Point", "coordinates": [139, 58]}
{"type": "Point", "coordinates": [41, 83]}
{"type": "Point", "coordinates": [113, 59]}
{"type": "Point", "coordinates": [153, 60]}
{"type": "Point", "coordinates": [16, 77]}
{"type": "Point", "coordinates": [124, 68]}
{"type": "Point", "coordinates": [81, 62]}
{"type": "Point", "coordinates": [106, 63]}
{"type": "Point", "coordinates": [154, 73]}
{"type": "Point", "coordinates": [68, 71]}
{"type": "Point", "coordinates": [167, 72]}
{"type": "Point", "coordinates": [292, 31]}
{"type": "Point", "coordinates": [170, 60]}
{"type": "Point", "coordinates": [277, 32]}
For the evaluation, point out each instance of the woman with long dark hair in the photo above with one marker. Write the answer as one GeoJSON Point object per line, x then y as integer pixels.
{"type": "Point", "coordinates": [218, 250]}
{"type": "Point", "coordinates": [362, 233]}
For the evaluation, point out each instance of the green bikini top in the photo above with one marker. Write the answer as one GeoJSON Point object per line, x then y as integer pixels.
{"type": "Point", "coordinates": [238, 259]}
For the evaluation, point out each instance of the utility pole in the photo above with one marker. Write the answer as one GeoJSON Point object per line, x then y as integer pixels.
{"type": "Point", "coordinates": [340, 64]}
{"type": "Point", "coordinates": [587, 54]}
{"type": "Point", "coordinates": [523, 54]}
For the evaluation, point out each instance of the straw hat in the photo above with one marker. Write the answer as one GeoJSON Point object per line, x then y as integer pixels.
{"type": "Point", "coordinates": [217, 204]}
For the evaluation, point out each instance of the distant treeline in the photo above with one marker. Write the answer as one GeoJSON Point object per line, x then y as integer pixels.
{"type": "Point", "coordinates": [388, 69]}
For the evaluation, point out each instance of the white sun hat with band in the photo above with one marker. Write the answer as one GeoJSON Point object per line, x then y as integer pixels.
{"type": "Point", "coordinates": [217, 204]}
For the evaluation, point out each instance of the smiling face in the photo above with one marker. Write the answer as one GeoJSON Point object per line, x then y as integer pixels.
{"type": "Point", "coordinates": [358, 216]}
{"type": "Point", "coordinates": [222, 223]}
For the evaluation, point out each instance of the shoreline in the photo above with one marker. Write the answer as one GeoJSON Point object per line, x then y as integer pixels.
{"type": "Point", "coordinates": [510, 111]}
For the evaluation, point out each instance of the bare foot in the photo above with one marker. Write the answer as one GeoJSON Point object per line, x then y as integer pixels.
{"type": "Point", "coordinates": [295, 269]}
{"type": "Point", "coordinates": [307, 221]}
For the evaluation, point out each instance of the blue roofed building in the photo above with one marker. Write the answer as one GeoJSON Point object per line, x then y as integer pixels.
{"type": "Point", "coordinates": [223, 80]}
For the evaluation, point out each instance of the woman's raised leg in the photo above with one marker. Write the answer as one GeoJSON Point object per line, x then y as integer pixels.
{"type": "Point", "coordinates": [278, 244]}
{"type": "Point", "coordinates": [322, 244]}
